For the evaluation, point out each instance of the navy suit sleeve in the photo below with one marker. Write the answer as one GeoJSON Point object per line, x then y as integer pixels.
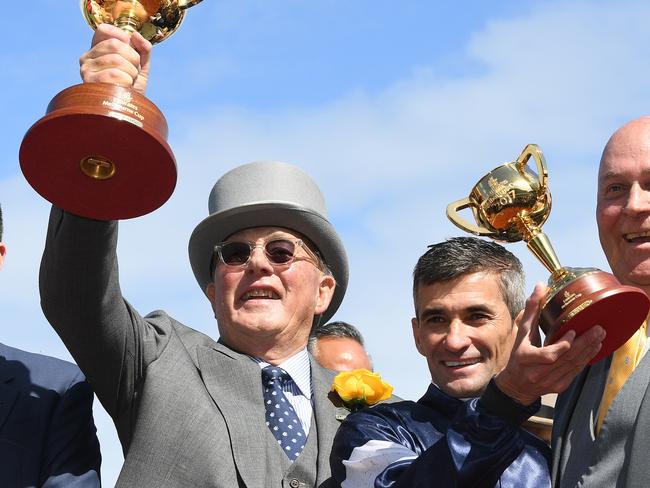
{"type": "Point", "coordinates": [71, 456]}
{"type": "Point", "coordinates": [380, 448]}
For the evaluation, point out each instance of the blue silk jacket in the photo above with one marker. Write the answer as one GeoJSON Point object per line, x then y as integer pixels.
{"type": "Point", "coordinates": [440, 441]}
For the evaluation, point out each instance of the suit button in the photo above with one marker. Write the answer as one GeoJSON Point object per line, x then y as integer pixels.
{"type": "Point", "coordinates": [294, 483]}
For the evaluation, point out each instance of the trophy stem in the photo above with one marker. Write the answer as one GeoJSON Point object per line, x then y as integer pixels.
{"type": "Point", "coordinates": [539, 244]}
{"type": "Point", "coordinates": [541, 247]}
{"type": "Point", "coordinates": [129, 19]}
{"type": "Point", "coordinates": [128, 23]}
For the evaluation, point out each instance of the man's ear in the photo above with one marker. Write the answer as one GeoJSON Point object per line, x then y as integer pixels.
{"type": "Point", "coordinates": [325, 293]}
{"type": "Point", "coordinates": [516, 321]}
{"type": "Point", "coordinates": [415, 326]}
{"type": "Point", "coordinates": [211, 291]}
{"type": "Point", "coordinates": [3, 252]}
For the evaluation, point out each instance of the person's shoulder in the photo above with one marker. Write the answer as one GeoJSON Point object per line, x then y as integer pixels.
{"type": "Point", "coordinates": [393, 404]}
{"type": "Point", "coordinates": [384, 412]}
{"type": "Point", "coordinates": [382, 422]}
{"type": "Point", "coordinates": [44, 371]}
{"type": "Point", "coordinates": [174, 338]}
{"type": "Point", "coordinates": [163, 322]}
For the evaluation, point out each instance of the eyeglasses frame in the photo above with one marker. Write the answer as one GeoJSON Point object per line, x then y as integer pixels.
{"type": "Point", "coordinates": [314, 255]}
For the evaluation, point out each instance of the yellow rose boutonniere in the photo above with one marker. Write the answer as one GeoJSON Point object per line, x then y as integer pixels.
{"type": "Point", "coordinates": [360, 388]}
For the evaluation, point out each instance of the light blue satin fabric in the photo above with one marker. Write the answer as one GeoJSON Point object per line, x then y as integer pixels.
{"type": "Point", "coordinates": [453, 444]}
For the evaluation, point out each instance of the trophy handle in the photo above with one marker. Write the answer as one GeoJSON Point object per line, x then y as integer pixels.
{"type": "Point", "coordinates": [458, 221]}
{"type": "Point", "coordinates": [535, 151]}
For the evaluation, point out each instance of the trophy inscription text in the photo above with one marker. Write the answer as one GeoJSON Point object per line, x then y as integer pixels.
{"type": "Point", "coordinates": [569, 298]}
{"type": "Point", "coordinates": [576, 311]}
{"type": "Point", "coordinates": [124, 106]}
{"type": "Point", "coordinates": [504, 193]}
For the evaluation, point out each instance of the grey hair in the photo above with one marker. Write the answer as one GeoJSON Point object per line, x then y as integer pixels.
{"type": "Point", "coordinates": [334, 329]}
{"type": "Point", "coordinates": [460, 256]}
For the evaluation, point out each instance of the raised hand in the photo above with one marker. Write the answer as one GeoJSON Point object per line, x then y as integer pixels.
{"type": "Point", "coordinates": [535, 370]}
{"type": "Point", "coordinates": [117, 57]}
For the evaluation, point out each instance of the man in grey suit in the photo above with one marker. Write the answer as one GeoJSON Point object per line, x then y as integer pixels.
{"type": "Point", "coordinates": [250, 409]}
{"type": "Point", "coordinates": [595, 445]}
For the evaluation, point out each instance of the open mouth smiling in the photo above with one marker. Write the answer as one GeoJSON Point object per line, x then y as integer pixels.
{"type": "Point", "coordinates": [461, 362]}
{"type": "Point", "coordinates": [260, 294]}
{"type": "Point", "coordinates": [637, 236]}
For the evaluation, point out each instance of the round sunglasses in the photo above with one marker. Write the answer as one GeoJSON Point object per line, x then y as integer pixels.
{"type": "Point", "coordinates": [279, 252]}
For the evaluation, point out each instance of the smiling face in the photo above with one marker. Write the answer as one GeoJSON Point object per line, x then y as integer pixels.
{"type": "Point", "coordinates": [267, 310]}
{"type": "Point", "coordinates": [623, 209]}
{"type": "Point", "coordinates": [465, 331]}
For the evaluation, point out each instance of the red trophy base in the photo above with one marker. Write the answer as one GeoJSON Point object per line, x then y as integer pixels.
{"type": "Point", "coordinates": [595, 298]}
{"type": "Point", "coordinates": [100, 152]}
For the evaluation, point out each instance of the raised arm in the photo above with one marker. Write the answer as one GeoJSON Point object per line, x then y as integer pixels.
{"type": "Point", "coordinates": [81, 298]}
{"type": "Point", "coordinates": [79, 283]}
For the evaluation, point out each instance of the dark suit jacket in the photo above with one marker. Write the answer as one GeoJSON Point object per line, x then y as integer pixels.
{"type": "Point", "coordinates": [189, 411]}
{"type": "Point", "coordinates": [47, 434]}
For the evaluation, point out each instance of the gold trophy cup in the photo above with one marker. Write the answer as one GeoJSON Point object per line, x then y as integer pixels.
{"type": "Point", "coordinates": [511, 203]}
{"type": "Point", "coordinates": [101, 149]}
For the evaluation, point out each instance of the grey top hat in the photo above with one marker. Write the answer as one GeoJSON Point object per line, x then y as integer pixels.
{"type": "Point", "coordinates": [268, 194]}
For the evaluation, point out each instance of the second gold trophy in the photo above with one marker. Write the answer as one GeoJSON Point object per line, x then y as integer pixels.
{"type": "Point", "coordinates": [511, 203]}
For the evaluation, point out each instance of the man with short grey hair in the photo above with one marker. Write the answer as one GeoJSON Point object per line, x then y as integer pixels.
{"type": "Point", "coordinates": [339, 346]}
{"type": "Point", "coordinates": [468, 295]}
{"type": "Point", "coordinates": [251, 409]}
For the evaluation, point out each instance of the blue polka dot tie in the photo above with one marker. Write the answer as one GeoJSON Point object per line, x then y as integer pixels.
{"type": "Point", "coordinates": [281, 418]}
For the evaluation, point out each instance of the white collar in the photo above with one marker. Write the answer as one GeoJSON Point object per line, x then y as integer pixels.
{"type": "Point", "coordinates": [298, 367]}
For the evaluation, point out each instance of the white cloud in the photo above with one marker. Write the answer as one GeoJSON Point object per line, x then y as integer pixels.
{"type": "Point", "coordinates": [564, 75]}
{"type": "Point", "coordinates": [390, 162]}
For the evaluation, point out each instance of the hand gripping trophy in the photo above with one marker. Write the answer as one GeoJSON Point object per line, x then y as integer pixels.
{"type": "Point", "coordinates": [511, 203]}
{"type": "Point", "coordinates": [100, 151]}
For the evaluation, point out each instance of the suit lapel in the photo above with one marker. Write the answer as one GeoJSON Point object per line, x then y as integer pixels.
{"type": "Point", "coordinates": [638, 474]}
{"type": "Point", "coordinates": [325, 415]}
{"type": "Point", "coordinates": [628, 414]}
{"type": "Point", "coordinates": [563, 410]}
{"type": "Point", "coordinates": [234, 383]}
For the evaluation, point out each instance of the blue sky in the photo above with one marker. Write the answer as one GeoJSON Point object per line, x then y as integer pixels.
{"type": "Point", "coordinates": [396, 109]}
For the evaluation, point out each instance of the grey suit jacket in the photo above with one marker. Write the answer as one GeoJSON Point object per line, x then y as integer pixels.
{"type": "Point", "coordinates": [629, 462]}
{"type": "Point", "coordinates": [188, 410]}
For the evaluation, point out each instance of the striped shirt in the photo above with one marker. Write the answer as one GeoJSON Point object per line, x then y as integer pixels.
{"type": "Point", "coordinates": [298, 391]}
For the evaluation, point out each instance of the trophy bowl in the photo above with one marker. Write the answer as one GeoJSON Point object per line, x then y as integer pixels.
{"type": "Point", "coordinates": [511, 203]}
{"type": "Point", "coordinates": [101, 149]}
